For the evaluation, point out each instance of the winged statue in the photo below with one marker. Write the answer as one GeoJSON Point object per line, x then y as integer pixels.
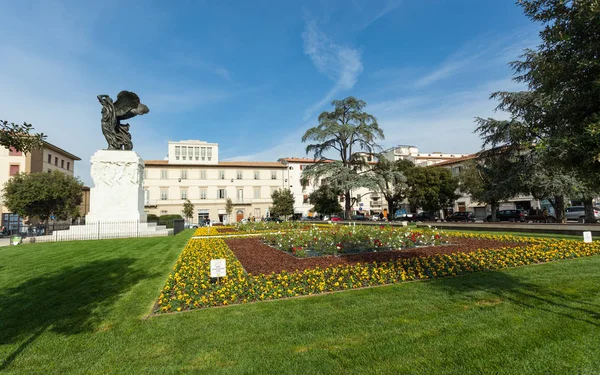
{"type": "Point", "coordinates": [128, 105]}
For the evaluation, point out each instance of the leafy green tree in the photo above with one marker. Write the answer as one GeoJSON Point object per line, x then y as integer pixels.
{"type": "Point", "coordinates": [559, 113]}
{"type": "Point", "coordinates": [188, 209]}
{"type": "Point", "coordinates": [20, 137]}
{"type": "Point", "coordinates": [229, 209]}
{"type": "Point", "coordinates": [431, 188]}
{"type": "Point", "coordinates": [325, 200]}
{"type": "Point", "coordinates": [351, 135]}
{"type": "Point", "coordinates": [43, 194]}
{"type": "Point", "coordinates": [490, 180]}
{"type": "Point", "coordinates": [283, 203]}
{"type": "Point", "coordinates": [391, 180]}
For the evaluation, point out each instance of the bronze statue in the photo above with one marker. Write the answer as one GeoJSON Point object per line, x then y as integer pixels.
{"type": "Point", "coordinates": [128, 105]}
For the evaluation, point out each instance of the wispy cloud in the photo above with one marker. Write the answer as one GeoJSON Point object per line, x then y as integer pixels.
{"type": "Point", "coordinates": [369, 20]}
{"type": "Point", "coordinates": [340, 64]}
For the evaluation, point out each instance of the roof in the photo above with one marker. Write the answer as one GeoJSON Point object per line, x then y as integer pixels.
{"type": "Point", "coordinates": [58, 149]}
{"type": "Point", "coordinates": [299, 160]}
{"type": "Point", "coordinates": [263, 164]}
{"type": "Point", "coordinates": [456, 160]}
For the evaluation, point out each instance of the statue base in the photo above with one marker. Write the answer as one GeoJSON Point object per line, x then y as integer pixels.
{"type": "Point", "coordinates": [118, 194]}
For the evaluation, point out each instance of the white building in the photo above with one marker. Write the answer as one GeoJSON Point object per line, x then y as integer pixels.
{"type": "Point", "coordinates": [406, 152]}
{"type": "Point", "coordinates": [369, 203]}
{"type": "Point", "coordinates": [192, 170]}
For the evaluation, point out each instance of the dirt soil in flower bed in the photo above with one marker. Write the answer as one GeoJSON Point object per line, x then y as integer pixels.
{"type": "Point", "coordinates": [257, 258]}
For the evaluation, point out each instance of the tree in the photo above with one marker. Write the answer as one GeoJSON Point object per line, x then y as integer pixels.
{"type": "Point", "coordinates": [489, 180]}
{"type": "Point", "coordinates": [431, 188]}
{"type": "Point", "coordinates": [283, 203]}
{"type": "Point", "coordinates": [188, 209]}
{"type": "Point", "coordinates": [559, 113]}
{"type": "Point", "coordinates": [43, 195]}
{"type": "Point", "coordinates": [351, 134]}
{"type": "Point", "coordinates": [325, 200]}
{"type": "Point", "coordinates": [19, 137]}
{"type": "Point", "coordinates": [229, 209]}
{"type": "Point", "coordinates": [390, 178]}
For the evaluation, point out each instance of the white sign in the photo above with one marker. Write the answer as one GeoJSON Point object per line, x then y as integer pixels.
{"type": "Point", "coordinates": [218, 268]}
{"type": "Point", "coordinates": [587, 237]}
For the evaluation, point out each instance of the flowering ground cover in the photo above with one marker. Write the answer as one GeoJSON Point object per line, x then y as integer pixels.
{"type": "Point", "coordinates": [334, 239]}
{"type": "Point", "coordinates": [255, 228]}
{"type": "Point", "coordinates": [190, 285]}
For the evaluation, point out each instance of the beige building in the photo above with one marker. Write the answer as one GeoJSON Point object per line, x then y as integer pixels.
{"type": "Point", "coordinates": [46, 159]}
{"type": "Point", "coordinates": [192, 170]}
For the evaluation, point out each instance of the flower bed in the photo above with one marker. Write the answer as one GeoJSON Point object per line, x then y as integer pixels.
{"type": "Point", "coordinates": [189, 286]}
{"type": "Point", "coordinates": [336, 239]}
{"type": "Point", "coordinates": [255, 228]}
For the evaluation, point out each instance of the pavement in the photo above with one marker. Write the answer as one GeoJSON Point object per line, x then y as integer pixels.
{"type": "Point", "coordinates": [5, 241]}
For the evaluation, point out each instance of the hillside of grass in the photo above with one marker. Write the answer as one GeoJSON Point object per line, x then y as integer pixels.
{"type": "Point", "coordinates": [81, 307]}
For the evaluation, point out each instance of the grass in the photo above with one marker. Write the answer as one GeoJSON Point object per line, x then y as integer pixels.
{"type": "Point", "coordinates": [79, 308]}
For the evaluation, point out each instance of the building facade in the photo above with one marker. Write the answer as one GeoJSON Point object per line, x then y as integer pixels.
{"type": "Point", "coordinates": [192, 170]}
{"type": "Point", "coordinates": [406, 152]}
{"type": "Point", "coordinates": [46, 159]}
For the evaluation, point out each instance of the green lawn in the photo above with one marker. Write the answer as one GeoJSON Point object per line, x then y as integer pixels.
{"type": "Point", "coordinates": [79, 307]}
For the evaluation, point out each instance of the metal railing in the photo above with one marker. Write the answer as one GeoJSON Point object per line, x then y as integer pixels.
{"type": "Point", "coordinates": [97, 230]}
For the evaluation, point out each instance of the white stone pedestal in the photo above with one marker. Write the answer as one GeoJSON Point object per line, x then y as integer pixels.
{"type": "Point", "coordinates": [118, 194]}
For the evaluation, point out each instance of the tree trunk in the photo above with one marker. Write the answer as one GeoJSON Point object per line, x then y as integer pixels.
{"type": "Point", "coordinates": [348, 205]}
{"type": "Point", "coordinates": [559, 208]}
{"type": "Point", "coordinates": [391, 210]}
{"type": "Point", "coordinates": [494, 206]}
{"type": "Point", "coordinates": [589, 210]}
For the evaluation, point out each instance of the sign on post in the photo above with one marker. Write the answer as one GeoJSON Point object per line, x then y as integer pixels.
{"type": "Point", "coordinates": [218, 268]}
{"type": "Point", "coordinates": [587, 237]}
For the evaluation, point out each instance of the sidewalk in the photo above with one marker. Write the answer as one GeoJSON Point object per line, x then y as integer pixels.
{"type": "Point", "coordinates": [4, 241]}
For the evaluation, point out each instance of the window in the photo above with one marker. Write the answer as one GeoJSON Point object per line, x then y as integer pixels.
{"type": "Point", "coordinates": [163, 212]}
{"type": "Point", "coordinates": [164, 194]}
{"type": "Point", "coordinates": [49, 159]}
{"type": "Point", "coordinates": [62, 163]}
{"type": "Point", "coordinates": [197, 153]}
{"type": "Point", "coordinates": [273, 175]}
{"type": "Point", "coordinates": [209, 153]}
{"type": "Point", "coordinates": [301, 167]}
{"type": "Point", "coordinates": [203, 174]}
{"type": "Point", "coordinates": [164, 174]}
{"type": "Point", "coordinates": [305, 198]}
{"type": "Point", "coordinates": [145, 172]}
{"type": "Point", "coordinates": [184, 194]}
{"type": "Point", "coordinates": [257, 212]}
{"type": "Point", "coordinates": [257, 192]}
{"type": "Point", "coordinates": [177, 152]}
{"type": "Point", "coordinates": [273, 189]}
{"type": "Point", "coordinates": [240, 195]}
{"type": "Point", "coordinates": [14, 169]}
{"type": "Point", "coordinates": [222, 174]}
{"type": "Point", "coordinates": [13, 152]}
{"type": "Point", "coordinates": [69, 166]}
{"type": "Point", "coordinates": [183, 152]}
{"type": "Point", "coordinates": [184, 174]}
{"type": "Point", "coordinates": [56, 161]}
{"type": "Point", "coordinates": [49, 170]}
{"type": "Point", "coordinates": [257, 175]}
{"type": "Point", "coordinates": [202, 193]}
{"type": "Point", "coordinates": [203, 152]}
{"type": "Point", "coordinates": [239, 175]}
{"type": "Point", "coordinates": [190, 153]}
{"type": "Point", "coordinates": [221, 194]}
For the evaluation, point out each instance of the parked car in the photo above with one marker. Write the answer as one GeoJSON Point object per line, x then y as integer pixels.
{"type": "Point", "coordinates": [424, 216]}
{"type": "Point", "coordinates": [578, 213]}
{"type": "Point", "coordinates": [191, 226]}
{"type": "Point", "coordinates": [336, 218]}
{"type": "Point", "coordinates": [274, 219]}
{"type": "Point", "coordinates": [309, 218]}
{"type": "Point", "coordinates": [462, 216]}
{"type": "Point", "coordinates": [359, 217]}
{"type": "Point", "coordinates": [508, 215]}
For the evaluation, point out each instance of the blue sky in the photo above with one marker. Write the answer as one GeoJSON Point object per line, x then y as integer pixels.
{"type": "Point", "coordinates": [253, 76]}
